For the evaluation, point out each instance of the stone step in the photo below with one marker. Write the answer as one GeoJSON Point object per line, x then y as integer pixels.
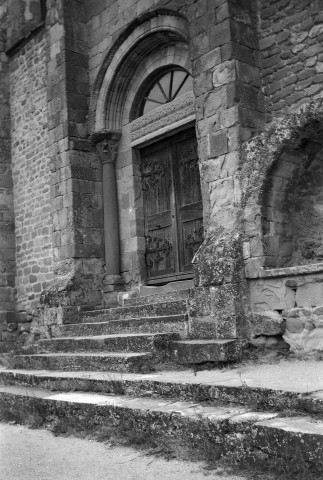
{"type": "Point", "coordinates": [204, 329]}
{"type": "Point", "coordinates": [157, 298]}
{"type": "Point", "coordinates": [88, 361]}
{"type": "Point", "coordinates": [175, 424]}
{"type": "Point", "coordinates": [130, 342]}
{"type": "Point", "coordinates": [199, 351]}
{"type": "Point", "coordinates": [216, 386]}
{"type": "Point", "coordinates": [119, 313]}
{"type": "Point", "coordinates": [168, 324]}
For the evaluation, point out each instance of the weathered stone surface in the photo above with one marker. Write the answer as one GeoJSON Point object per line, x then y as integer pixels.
{"type": "Point", "coordinates": [275, 385]}
{"type": "Point", "coordinates": [151, 417]}
{"type": "Point", "coordinates": [266, 323]}
{"type": "Point", "coordinates": [218, 260]}
{"type": "Point", "coordinates": [229, 426]}
{"type": "Point", "coordinates": [309, 295]}
{"type": "Point", "coordinates": [224, 73]}
{"type": "Point", "coordinates": [271, 294]}
{"type": "Point", "coordinates": [305, 341]}
{"type": "Point", "coordinates": [304, 330]}
{"type": "Point", "coordinates": [23, 19]}
{"type": "Point", "coordinates": [283, 52]}
{"type": "Point", "coordinates": [219, 326]}
{"type": "Point", "coordinates": [199, 351]}
{"type": "Point", "coordinates": [31, 172]}
{"type": "Point", "coordinates": [159, 294]}
{"type": "Point", "coordinates": [96, 361]}
{"type": "Point", "coordinates": [172, 323]}
{"type": "Point", "coordinates": [270, 342]}
{"type": "Point", "coordinates": [126, 342]}
{"type": "Point", "coordinates": [127, 312]}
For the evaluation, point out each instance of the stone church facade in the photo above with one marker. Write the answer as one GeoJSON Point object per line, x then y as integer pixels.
{"type": "Point", "coordinates": [146, 143]}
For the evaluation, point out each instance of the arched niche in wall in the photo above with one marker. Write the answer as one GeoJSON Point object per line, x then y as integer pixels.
{"type": "Point", "coordinates": [282, 179]}
{"type": "Point", "coordinates": [292, 219]}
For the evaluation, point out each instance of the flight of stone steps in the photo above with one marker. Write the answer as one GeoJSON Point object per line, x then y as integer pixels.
{"type": "Point", "coordinates": [108, 371]}
{"type": "Point", "coordinates": [143, 334]}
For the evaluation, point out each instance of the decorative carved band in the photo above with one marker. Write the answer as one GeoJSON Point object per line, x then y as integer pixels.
{"type": "Point", "coordinates": [107, 145]}
{"type": "Point", "coordinates": [163, 116]}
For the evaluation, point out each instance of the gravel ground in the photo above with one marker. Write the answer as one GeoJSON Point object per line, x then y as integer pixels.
{"type": "Point", "coordinates": [27, 454]}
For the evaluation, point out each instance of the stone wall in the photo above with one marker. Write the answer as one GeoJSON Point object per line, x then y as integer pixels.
{"type": "Point", "coordinates": [8, 324]}
{"type": "Point", "coordinates": [288, 302]}
{"type": "Point", "coordinates": [24, 17]}
{"type": "Point", "coordinates": [76, 172]}
{"type": "Point", "coordinates": [31, 173]}
{"type": "Point", "coordinates": [290, 41]}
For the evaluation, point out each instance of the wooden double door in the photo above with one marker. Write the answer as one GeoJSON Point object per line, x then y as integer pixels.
{"type": "Point", "coordinates": [173, 212]}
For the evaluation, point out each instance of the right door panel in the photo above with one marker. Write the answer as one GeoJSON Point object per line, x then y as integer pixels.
{"type": "Point", "coordinates": [188, 198]}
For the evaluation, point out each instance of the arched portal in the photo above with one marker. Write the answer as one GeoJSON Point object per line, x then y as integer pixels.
{"type": "Point", "coordinates": [160, 213]}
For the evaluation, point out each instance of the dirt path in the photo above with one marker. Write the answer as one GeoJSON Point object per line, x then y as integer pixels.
{"type": "Point", "coordinates": [37, 455]}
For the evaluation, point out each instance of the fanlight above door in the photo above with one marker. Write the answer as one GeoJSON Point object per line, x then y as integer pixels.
{"type": "Point", "coordinates": [165, 89]}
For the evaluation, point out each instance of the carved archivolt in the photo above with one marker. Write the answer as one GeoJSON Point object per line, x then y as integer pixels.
{"type": "Point", "coordinates": [117, 71]}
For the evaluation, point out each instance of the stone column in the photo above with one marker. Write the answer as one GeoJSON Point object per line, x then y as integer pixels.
{"type": "Point", "coordinates": [107, 144]}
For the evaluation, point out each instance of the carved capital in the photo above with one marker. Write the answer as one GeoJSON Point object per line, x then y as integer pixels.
{"type": "Point", "coordinates": [107, 145]}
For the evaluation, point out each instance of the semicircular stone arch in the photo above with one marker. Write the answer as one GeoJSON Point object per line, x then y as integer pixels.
{"type": "Point", "coordinates": [109, 97]}
{"type": "Point", "coordinates": [169, 56]}
{"type": "Point", "coordinates": [283, 193]}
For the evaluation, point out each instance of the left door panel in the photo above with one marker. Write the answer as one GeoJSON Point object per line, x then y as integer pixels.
{"type": "Point", "coordinates": [158, 210]}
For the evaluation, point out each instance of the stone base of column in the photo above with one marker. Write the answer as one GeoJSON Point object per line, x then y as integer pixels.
{"type": "Point", "coordinates": [112, 285]}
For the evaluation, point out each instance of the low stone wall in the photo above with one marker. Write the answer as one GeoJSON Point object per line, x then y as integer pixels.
{"type": "Point", "coordinates": [304, 328]}
{"type": "Point", "coordinates": [289, 306]}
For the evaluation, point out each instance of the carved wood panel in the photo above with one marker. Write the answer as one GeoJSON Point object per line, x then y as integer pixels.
{"type": "Point", "coordinates": [172, 205]}
{"type": "Point", "coordinates": [156, 185]}
{"type": "Point", "coordinates": [193, 236]}
{"type": "Point", "coordinates": [188, 198]}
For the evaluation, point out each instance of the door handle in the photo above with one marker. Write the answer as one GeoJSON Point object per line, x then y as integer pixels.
{"type": "Point", "coordinates": [158, 226]}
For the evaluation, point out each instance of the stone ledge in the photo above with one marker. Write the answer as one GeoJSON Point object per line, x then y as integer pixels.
{"type": "Point", "coordinates": [287, 271]}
